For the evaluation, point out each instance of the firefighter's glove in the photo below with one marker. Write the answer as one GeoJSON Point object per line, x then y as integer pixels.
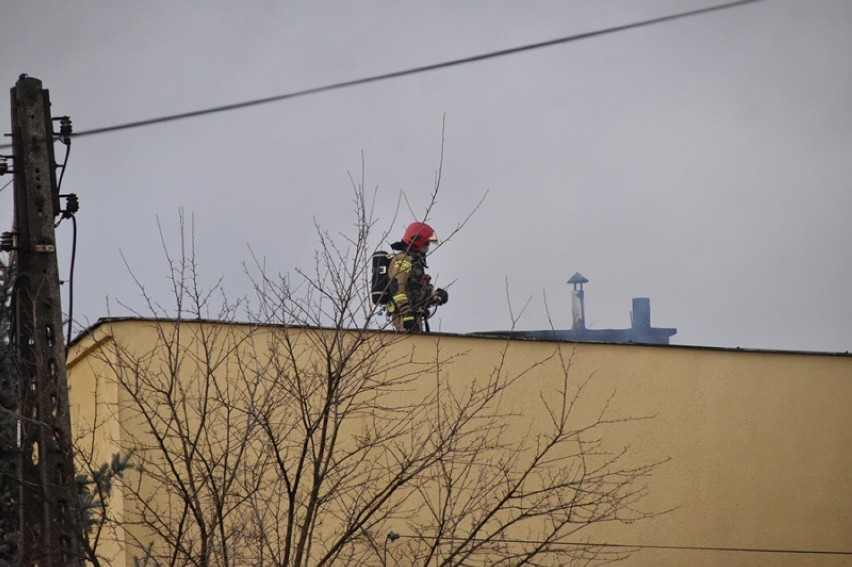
{"type": "Point", "coordinates": [439, 296]}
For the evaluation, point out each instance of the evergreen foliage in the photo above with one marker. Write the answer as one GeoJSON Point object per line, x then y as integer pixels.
{"type": "Point", "coordinates": [8, 425]}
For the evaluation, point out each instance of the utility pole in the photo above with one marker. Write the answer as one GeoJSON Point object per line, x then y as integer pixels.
{"type": "Point", "coordinates": [48, 504]}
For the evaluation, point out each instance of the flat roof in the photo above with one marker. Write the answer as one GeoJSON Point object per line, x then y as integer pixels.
{"type": "Point", "coordinates": [494, 335]}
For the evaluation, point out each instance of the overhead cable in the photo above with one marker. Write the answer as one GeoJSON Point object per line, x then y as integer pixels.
{"type": "Point", "coordinates": [407, 72]}
{"type": "Point", "coordinates": [783, 551]}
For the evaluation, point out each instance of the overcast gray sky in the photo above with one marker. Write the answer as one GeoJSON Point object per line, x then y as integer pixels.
{"type": "Point", "coordinates": [704, 163]}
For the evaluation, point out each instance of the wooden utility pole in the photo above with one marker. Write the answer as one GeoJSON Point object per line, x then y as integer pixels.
{"type": "Point", "coordinates": [50, 535]}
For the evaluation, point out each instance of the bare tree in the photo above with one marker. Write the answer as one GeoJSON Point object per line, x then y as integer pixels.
{"type": "Point", "coordinates": [308, 435]}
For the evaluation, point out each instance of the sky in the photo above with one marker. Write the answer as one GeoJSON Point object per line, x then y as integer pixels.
{"type": "Point", "coordinates": [704, 163]}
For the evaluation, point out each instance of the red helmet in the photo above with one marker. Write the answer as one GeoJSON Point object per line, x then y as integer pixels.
{"type": "Point", "coordinates": [418, 235]}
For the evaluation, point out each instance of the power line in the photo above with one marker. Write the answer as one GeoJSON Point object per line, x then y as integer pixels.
{"type": "Point", "coordinates": [407, 72]}
{"type": "Point", "coordinates": [666, 547]}
{"type": "Point", "coordinates": [725, 549]}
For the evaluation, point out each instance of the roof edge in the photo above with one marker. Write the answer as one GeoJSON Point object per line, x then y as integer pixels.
{"type": "Point", "coordinates": [494, 335]}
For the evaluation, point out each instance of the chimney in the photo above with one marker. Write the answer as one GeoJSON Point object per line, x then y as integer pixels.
{"type": "Point", "coordinates": [641, 316]}
{"type": "Point", "coordinates": [578, 307]}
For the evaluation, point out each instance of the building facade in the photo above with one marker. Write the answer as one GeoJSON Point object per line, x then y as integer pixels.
{"type": "Point", "coordinates": [737, 457]}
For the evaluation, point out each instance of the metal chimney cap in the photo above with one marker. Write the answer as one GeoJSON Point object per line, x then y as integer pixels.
{"type": "Point", "coordinates": [577, 278]}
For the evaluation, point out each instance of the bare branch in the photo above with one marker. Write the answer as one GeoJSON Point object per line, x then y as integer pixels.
{"type": "Point", "coordinates": [306, 436]}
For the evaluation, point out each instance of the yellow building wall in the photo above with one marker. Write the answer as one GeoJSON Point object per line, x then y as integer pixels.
{"type": "Point", "coordinates": [759, 443]}
{"type": "Point", "coordinates": [95, 425]}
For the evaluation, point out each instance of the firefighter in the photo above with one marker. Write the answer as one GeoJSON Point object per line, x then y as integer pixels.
{"type": "Point", "coordinates": [412, 292]}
